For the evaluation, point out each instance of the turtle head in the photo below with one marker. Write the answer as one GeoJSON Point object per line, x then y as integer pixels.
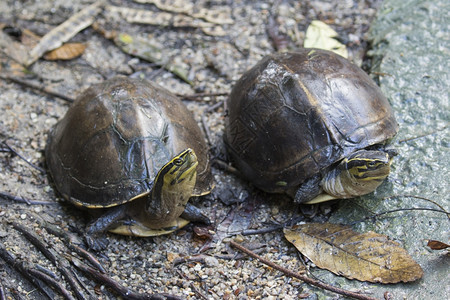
{"type": "Point", "coordinates": [368, 165]}
{"type": "Point", "coordinates": [358, 174]}
{"type": "Point", "coordinates": [173, 187]}
{"type": "Point", "coordinates": [363, 171]}
{"type": "Point", "coordinates": [180, 170]}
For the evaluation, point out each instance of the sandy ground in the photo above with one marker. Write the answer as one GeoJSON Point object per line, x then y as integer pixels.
{"type": "Point", "coordinates": [182, 263]}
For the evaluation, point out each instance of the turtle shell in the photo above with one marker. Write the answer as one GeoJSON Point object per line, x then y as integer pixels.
{"type": "Point", "coordinates": [293, 115]}
{"type": "Point", "coordinates": [115, 138]}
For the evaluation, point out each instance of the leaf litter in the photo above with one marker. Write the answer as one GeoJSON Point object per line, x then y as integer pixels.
{"type": "Point", "coordinates": [365, 256]}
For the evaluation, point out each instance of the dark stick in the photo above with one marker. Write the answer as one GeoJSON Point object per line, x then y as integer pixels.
{"type": "Point", "coordinates": [117, 287]}
{"type": "Point", "coordinates": [2, 292]}
{"type": "Point", "coordinates": [195, 97]}
{"type": "Point", "coordinates": [193, 287]}
{"type": "Point", "coordinates": [304, 278]}
{"type": "Point", "coordinates": [397, 210]}
{"type": "Point", "coordinates": [205, 126]}
{"type": "Point", "coordinates": [227, 167]}
{"type": "Point", "coordinates": [261, 230]}
{"type": "Point", "coordinates": [70, 242]}
{"type": "Point", "coordinates": [422, 135]}
{"type": "Point", "coordinates": [279, 40]}
{"type": "Point", "coordinates": [421, 198]}
{"type": "Point", "coordinates": [88, 256]}
{"type": "Point", "coordinates": [37, 87]}
{"type": "Point", "coordinates": [206, 129]}
{"type": "Point", "coordinates": [55, 284]}
{"type": "Point", "coordinates": [44, 270]}
{"type": "Point", "coordinates": [25, 200]}
{"type": "Point", "coordinates": [22, 269]}
{"type": "Point", "coordinates": [61, 264]}
{"type": "Point", "coordinates": [81, 283]}
{"type": "Point", "coordinates": [23, 158]}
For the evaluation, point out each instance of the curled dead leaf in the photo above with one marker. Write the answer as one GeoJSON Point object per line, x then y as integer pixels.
{"type": "Point", "coordinates": [364, 256]}
{"type": "Point", "coordinates": [320, 35]}
{"type": "Point", "coordinates": [437, 245]}
{"type": "Point", "coordinates": [66, 52]}
{"type": "Point", "coordinates": [65, 31]}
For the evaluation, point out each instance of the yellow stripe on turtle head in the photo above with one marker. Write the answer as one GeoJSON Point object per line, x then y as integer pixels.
{"type": "Point", "coordinates": [179, 174]}
{"type": "Point", "coordinates": [369, 165]}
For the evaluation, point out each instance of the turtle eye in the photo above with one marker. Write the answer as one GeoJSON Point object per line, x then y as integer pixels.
{"type": "Point", "coordinates": [371, 164]}
{"type": "Point", "coordinates": [178, 162]}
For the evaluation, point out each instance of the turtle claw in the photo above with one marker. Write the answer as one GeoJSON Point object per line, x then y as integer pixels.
{"type": "Point", "coordinates": [96, 243]}
{"type": "Point", "coordinates": [194, 214]}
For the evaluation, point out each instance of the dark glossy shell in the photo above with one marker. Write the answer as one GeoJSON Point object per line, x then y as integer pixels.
{"type": "Point", "coordinates": [114, 139]}
{"type": "Point", "coordinates": [295, 114]}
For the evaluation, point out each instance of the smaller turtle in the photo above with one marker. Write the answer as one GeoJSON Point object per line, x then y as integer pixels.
{"type": "Point", "coordinates": [310, 124]}
{"type": "Point", "coordinates": [132, 153]}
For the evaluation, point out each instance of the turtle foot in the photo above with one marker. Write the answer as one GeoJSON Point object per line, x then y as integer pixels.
{"type": "Point", "coordinates": [194, 214]}
{"type": "Point", "coordinates": [96, 243]}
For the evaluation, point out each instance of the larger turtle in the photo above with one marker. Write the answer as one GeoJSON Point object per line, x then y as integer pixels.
{"type": "Point", "coordinates": [310, 124]}
{"type": "Point", "coordinates": [131, 150]}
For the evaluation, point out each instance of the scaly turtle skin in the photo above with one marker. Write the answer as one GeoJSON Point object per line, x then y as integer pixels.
{"type": "Point", "coordinates": [310, 124]}
{"type": "Point", "coordinates": [130, 150]}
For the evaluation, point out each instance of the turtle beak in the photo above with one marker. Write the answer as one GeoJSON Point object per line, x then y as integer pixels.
{"type": "Point", "coordinates": [391, 152]}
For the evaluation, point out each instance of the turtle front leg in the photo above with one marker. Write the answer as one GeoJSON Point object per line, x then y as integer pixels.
{"type": "Point", "coordinates": [101, 224]}
{"type": "Point", "coordinates": [309, 190]}
{"type": "Point", "coordinates": [194, 214]}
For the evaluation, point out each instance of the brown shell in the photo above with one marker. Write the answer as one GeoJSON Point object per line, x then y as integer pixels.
{"type": "Point", "coordinates": [293, 115]}
{"type": "Point", "coordinates": [114, 139]}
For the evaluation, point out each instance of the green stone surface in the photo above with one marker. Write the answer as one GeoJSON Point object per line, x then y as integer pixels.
{"type": "Point", "coordinates": [411, 58]}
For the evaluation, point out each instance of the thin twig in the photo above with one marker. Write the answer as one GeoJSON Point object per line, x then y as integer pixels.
{"type": "Point", "coordinates": [227, 167]}
{"type": "Point", "coordinates": [200, 258]}
{"type": "Point", "coordinates": [300, 276]}
{"type": "Point", "coordinates": [61, 264]}
{"type": "Point", "coordinates": [261, 230]}
{"type": "Point", "coordinates": [422, 135]}
{"type": "Point", "coordinates": [279, 40]}
{"type": "Point", "coordinates": [55, 284]}
{"type": "Point", "coordinates": [44, 270]}
{"type": "Point", "coordinates": [37, 87]}
{"type": "Point", "coordinates": [23, 158]}
{"type": "Point", "coordinates": [116, 286]}
{"type": "Point", "coordinates": [205, 126]}
{"type": "Point", "coordinates": [397, 210]}
{"type": "Point", "coordinates": [199, 96]}
{"type": "Point", "coordinates": [88, 256]}
{"type": "Point", "coordinates": [25, 271]}
{"type": "Point", "coordinates": [193, 287]}
{"type": "Point", "coordinates": [25, 200]}
{"type": "Point", "coordinates": [421, 198]}
{"type": "Point", "coordinates": [2, 292]}
{"type": "Point", "coordinates": [70, 242]}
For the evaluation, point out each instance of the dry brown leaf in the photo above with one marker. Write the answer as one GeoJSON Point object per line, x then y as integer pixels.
{"type": "Point", "coordinates": [364, 256]}
{"type": "Point", "coordinates": [66, 51]}
{"type": "Point", "coordinates": [320, 35]}
{"type": "Point", "coordinates": [65, 31]}
{"type": "Point", "coordinates": [437, 245]}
